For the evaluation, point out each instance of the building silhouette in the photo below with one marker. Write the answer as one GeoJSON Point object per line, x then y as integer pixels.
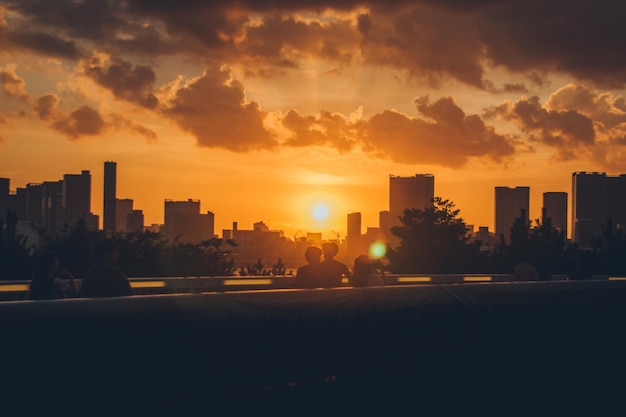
{"type": "Point", "coordinates": [109, 222]}
{"type": "Point", "coordinates": [354, 238]}
{"type": "Point", "coordinates": [185, 224]}
{"type": "Point", "coordinates": [416, 192]}
{"type": "Point", "coordinates": [510, 203]}
{"type": "Point", "coordinates": [123, 207]}
{"type": "Point", "coordinates": [76, 200]}
{"type": "Point", "coordinates": [597, 199]}
{"type": "Point", "coordinates": [5, 191]}
{"type": "Point", "coordinates": [135, 221]}
{"type": "Point", "coordinates": [555, 207]}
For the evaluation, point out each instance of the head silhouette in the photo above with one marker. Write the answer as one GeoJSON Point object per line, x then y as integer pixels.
{"type": "Point", "coordinates": [313, 254]}
{"type": "Point", "coordinates": [104, 250]}
{"type": "Point", "coordinates": [330, 250]}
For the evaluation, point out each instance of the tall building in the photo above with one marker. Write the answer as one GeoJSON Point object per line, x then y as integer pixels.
{"type": "Point", "coordinates": [353, 239]}
{"type": "Point", "coordinates": [185, 224]}
{"type": "Point", "coordinates": [596, 199]}
{"type": "Point", "coordinates": [32, 204]}
{"type": "Point", "coordinates": [415, 192]}
{"type": "Point", "coordinates": [134, 221]}
{"type": "Point", "coordinates": [77, 199]}
{"type": "Point", "coordinates": [555, 207]}
{"type": "Point", "coordinates": [52, 206]}
{"type": "Point", "coordinates": [509, 204]}
{"type": "Point", "coordinates": [110, 192]}
{"type": "Point", "coordinates": [4, 195]}
{"type": "Point", "coordinates": [123, 207]}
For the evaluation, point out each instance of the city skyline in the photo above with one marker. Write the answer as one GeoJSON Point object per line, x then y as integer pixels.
{"type": "Point", "coordinates": [281, 106]}
{"type": "Point", "coordinates": [404, 190]}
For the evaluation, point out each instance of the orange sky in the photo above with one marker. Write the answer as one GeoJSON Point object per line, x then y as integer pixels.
{"type": "Point", "coordinates": [262, 109]}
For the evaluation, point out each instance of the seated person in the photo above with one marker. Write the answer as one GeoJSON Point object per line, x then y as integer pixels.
{"type": "Point", "coordinates": [104, 279]}
{"type": "Point", "coordinates": [307, 276]}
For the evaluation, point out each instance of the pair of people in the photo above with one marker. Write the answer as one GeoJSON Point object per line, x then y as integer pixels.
{"type": "Point", "coordinates": [104, 279]}
{"type": "Point", "coordinates": [318, 273]}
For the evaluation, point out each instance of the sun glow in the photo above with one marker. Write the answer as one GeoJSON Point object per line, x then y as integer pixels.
{"type": "Point", "coordinates": [320, 212]}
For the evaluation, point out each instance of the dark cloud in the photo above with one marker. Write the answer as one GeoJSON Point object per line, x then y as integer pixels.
{"type": "Point", "coordinates": [449, 138]}
{"type": "Point", "coordinates": [13, 85]}
{"type": "Point", "coordinates": [606, 110]}
{"type": "Point", "coordinates": [84, 121]}
{"type": "Point", "coordinates": [325, 129]}
{"type": "Point", "coordinates": [277, 39]}
{"type": "Point", "coordinates": [566, 130]}
{"type": "Point", "coordinates": [127, 82]}
{"type": "Point", "coordinates": [46, 107]}
{"type": "Point", "coordinates": [444, 136]}
{"type": "Point", "coordinates": [213, 108]}
{"type": "Point", "coordinates": [431, 40]}
{"type": "Point", "coordinates": [45, 44]}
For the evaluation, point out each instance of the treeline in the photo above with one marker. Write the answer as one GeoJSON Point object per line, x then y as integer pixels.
{"type": "Point", "coordinates": [143, 254]}
{"type": "Point", "coordinates": [435, 240]}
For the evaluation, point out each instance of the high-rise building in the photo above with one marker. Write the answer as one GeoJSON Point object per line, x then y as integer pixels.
{"type": "Point", "coordinates": [597, 198]}
{"type": "Point", "coordinates": [134, 221]}
{"type": "Point", "coordinates": [354, 224]}
{"type": "Point", "coordinates": [4, 195]}
{"type": "Point", "coordinates": [185, 224]}
{"type": "Point", "coordinates": [123, 207]}
{"type": "Point", "coordinates": [353, 239]}
{"type": "Point", "coordinates": [415, 192]}
{"type": "Point", "coordinates": [32, 204]}
{"type": "Point", "coordinates": [510, 203]}
{"type": "Point", "coordinates": [110, 190]}
{"type": "Point", "coordinates": [52, 206]}
{"type": "Point", "coordinates": [555, 207]}
{"type": "Point", "coordinates": [77, 199]}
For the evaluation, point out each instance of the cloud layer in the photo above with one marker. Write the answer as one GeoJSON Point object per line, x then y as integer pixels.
{"type": "Point", "coordinates": [119, 46]}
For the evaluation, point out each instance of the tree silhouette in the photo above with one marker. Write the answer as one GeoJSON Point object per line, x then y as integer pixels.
{"type": "Point", "coordinates": [432, 240]}
{"type": "Point", "coordinates": [14, 256]}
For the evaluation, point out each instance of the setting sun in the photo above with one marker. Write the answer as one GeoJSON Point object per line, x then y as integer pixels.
{"type": "Point", "coordinates": [320, 212]}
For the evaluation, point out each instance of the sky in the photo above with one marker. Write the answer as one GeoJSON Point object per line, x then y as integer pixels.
{"type": "Point", "coordinates": [262, 109]}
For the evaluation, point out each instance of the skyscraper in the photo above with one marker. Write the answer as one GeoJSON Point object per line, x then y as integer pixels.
{"type": "Point", "coordinates": [415, 192]}
{"type": "Point", "coordinates": [77, 198]}
{"type": "Point", "coordinates": [555, 207]}
{"type": "Point", "coordinates": [509, 204]}
{"type": "Point", "coordinates": [4, 196]}
{"type": "Point", "coordinates": [596, 199]}
{"type": "Point", "coordinates": [183, 222]}
{"type": "Point", "coordinates": [353, 239]}
{"type": "Point", "coordinates": [123, 207]}
{"type": "Point", "coordinates": [110, 192]}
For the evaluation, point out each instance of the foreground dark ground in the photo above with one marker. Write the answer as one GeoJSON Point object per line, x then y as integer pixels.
{"type": "Point", "coordinates": [541, 348]}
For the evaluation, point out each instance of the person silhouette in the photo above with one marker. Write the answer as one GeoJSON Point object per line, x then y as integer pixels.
{"type": "Point", "coordinates": [331, 271]}
{"type": "Point", "coordinates": [104, 279]}
{"type": "Point", "coordinates": [49, 281]}
{"type": "Point", "coordinates": [307, 276]}
{"type": "Point", "coordinates": [366, 272]}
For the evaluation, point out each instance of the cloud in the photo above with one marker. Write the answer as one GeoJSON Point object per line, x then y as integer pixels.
{"type": "Point", "coordinates": [445, 136]}
{"type": "Point", "coordinates": [127, 82]}
{"type": "Point", "coordinates": [567, 131]}
{"type": "Point", "coordinates": [13, 85]}
{"type": "Point", "coordinates": [46, 107]}
{"type": "Point", "coordinates": [431, 40]}
{"type": "Point", "coordinates": [603, 108]}
{"type": "Point", "coordinates": [428, 42]}
{"type": "Point", "coordinates": [84, 121]}
{"type": "Point", "coordinates": [325, 129]}
{"type": "Point", "coordinates": [213, 108]}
